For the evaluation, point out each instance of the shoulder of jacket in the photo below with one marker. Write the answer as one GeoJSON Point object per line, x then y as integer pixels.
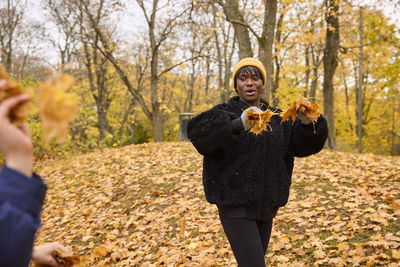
{"type": "Point", "coordinates": [222, 106]}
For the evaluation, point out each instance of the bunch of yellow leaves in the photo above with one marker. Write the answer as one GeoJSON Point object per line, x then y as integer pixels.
{"type": "Point", "coordinates": [19, 113]}
{"type": "Point", "coordinates": [259, 121]}
{"type": "Point", "coordinates": [57, 107]}
{"type": "Point", "coordinates": [67, 261]}
{"type": "Point", "coordinates": [301, 104]}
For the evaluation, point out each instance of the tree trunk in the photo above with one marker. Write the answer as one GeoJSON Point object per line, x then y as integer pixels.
{"type": "Point", "coordinates": [157, 114]}
{"type": "Point", "coordinates": [225, 51]}
{"type": "Point", "coordinates": [266, 42]}
{"type": "Point", "coordinates": [228, 55]}
{"type": "Point", "coordinates": [314, 83]}
{"type": "Point", "coordinates": [97, 75]}
{"type": "Point", "coordinates": [128, 109]}
{"type": "Point", "coordinates": [308, 67]}
{"type": "Point", "coordinates": [233, 14]}
{"type": "Point", "coordinates": [275, 84]}
{"type": "Point", "coordinates": [158, 125]}
{"type": "Point", "coordinates": [96, 67]}
{"type": "Point", "coordinates": [394, 135]}
{"type": "Point", "coordinates": [227, 76]}
{"type": "Point", "coordinates": [12, 16]}
{"type": "Point", "coordinates": [359, 98]}
{"type": "Point", "coordinates": [315, 53]}
{"type": "Point", "coordinates": [219, 56]}
{"type": "Point", "coordinates": [330, 64]}
{"type": "Point", "coordinates": [207, 81]}
{"type": "Point", "coordinates": [102, 122]}
{"type": "Point", "coordinates": [192, 81]}
{"type": "Point", "coordinates": [346, 92]}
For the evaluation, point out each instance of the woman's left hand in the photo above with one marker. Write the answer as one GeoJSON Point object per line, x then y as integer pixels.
{"type": "Point", "coordinates": [44, 254]}
{"type": "Point", "coordinates": [303, 118]}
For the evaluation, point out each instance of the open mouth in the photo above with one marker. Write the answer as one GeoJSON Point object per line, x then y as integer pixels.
{"type": "Point", "coordinates": [250, 92]}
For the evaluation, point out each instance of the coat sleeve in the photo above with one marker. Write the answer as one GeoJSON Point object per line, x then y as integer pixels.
{"type": "Point", "coordinates": [305, 141]}
{"type": "Point", "coordinates": [21, 201]}
{"type": "Point", "coordinates": [212, 130]}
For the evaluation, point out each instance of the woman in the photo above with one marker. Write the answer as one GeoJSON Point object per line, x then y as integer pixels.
{"type": "Point", "coordinates": [21, 195]}
{"type": "Point", "coordinates": [246, 175]}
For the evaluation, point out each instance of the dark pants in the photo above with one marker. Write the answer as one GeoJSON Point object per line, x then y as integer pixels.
{"type": "Point", "coordinates": [248, 239]}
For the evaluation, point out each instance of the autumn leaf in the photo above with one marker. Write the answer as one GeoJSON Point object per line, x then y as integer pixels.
{"type": "Point", "coordinates": [57, 107]}
{"type": "Point", "coordinates": [19, 113]}
{"type": "Point", "coordinates": [342, 246]}
{"type": "Point", "coordinates": [301, 252]}
{"type": "Point", "coordinates": [101, 251]}
{"type": "Point", "coordinates": [396, 254]}
{"type": "Point", "coordinates": [259, 121]}
{"type": "Point", "coordinates": [182, 226]}
{"type": "Point", "coordinates": [319, 254]}
{"type": "Point", "coordinates": [301, 104]}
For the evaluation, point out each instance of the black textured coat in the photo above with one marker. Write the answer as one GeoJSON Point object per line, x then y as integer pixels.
{"type": "Point", "coordinates": [244, 169]}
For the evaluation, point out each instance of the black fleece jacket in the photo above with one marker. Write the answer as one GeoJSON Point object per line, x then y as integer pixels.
{"type": "Point", "coordinates": [241, 169]}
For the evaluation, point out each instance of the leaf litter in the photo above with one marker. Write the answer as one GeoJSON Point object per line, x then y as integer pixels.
{"type": "Point", "coordinates": [143, 205]}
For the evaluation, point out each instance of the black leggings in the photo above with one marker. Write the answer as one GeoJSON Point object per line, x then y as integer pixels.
{"type": "Point", "coordinates": [248, 239]}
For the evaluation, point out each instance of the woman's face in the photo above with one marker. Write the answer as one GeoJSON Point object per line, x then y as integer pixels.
{"type": "Point", "coordinates": [249, 88]}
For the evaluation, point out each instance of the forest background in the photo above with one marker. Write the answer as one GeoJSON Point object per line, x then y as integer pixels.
{"type": "Point", "coordinates": [140, 64]}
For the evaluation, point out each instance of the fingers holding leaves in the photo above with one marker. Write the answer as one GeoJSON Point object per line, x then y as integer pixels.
{"type": "Point", "coordinates": [258, 119]}
{"type": "Point", "coordinates": [302, 108]}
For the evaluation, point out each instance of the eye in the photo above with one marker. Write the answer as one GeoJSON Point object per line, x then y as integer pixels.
{"type": "Point", "coordinates": [255, 78]}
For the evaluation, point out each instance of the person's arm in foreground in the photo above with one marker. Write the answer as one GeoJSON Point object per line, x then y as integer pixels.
{"type": "Point", "coordinates": [21, 191]}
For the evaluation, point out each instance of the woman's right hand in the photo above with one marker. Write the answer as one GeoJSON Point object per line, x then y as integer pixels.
{"type": "Point", "coordinates": [44, 254]}
{"type": "Point", "coordinates": [246, 124]}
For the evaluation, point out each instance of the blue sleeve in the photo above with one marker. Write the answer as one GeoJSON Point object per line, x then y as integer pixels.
{"type": "Point", "coordinates": [21, 200]}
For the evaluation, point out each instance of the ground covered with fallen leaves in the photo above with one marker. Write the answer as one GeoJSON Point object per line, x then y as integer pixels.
{"type": "Point", "coordinates": [143, 205]}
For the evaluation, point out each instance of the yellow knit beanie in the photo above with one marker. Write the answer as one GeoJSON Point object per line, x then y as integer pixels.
{"type": "Point", "coordinates": [249, 61]}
